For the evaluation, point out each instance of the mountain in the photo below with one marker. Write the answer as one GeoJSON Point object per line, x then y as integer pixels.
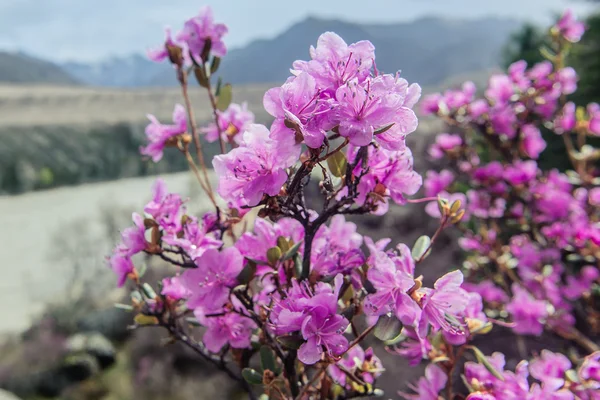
{"type": "Point", "coordinates": [428, 51]}
{"type": "Point", "coordinates": [128, 71]}
{"type": "Point", "coordinates": [22, 68]}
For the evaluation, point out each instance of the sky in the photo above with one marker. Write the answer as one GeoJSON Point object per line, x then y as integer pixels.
{"type": "Point", "coordinates": [91, 30]}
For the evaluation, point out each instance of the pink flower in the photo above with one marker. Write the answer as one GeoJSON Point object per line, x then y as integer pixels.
{"type": "Point", "coordinates": [160, 135]}
{"type": "Point", "coordinates": [487, 290]}
{"type": "Point", "coordinates": [312, 312]}
{"type": "Point", "coordinates": [520, 172]}
{"type": "Point", "coordinates": [255, 244]}
{"type": "Point", "coordinates": [500, 89]}
{"type": "Point", "coordinates": [166, 208]}
{"type": "Point", "coordinates": [336, 249]}
{"type": "Point", "coordinates": [569, 27]}
{"type": "Point", "coordinates": [566, 121]}
{"type": "Point", "coordinates": [594, 124]}
{"type": "Point", "coordinates": [364, 364]}
{"type": "Point", "coordinates": [478, 374]}
{"type": "Point", "coordinates": [429, 386]}
{"type": "Point", "coordinates": [210, 284]}
{"type": "Point", "coordinates": [532, 144]}
{"type": "Point", "coordinates": [549, 366]}
{"type": "Point", "coordinates": [527, 313]}
{"type": "Point", "coordinates": [121, 266]}
{"type": "Point", "coordinates": [364, 108]}
{"type": "Point", "coordinates": [567, 77]}
{"type": "Point", "coordinates": [133, 239]}
{"type": "Point", "coordinates": [594, 197]}
{"type": "Point", "coordinates": [323, 332]}
{"type": "Point", "coordinates": [232, 122]}
{"type": "Point", "coordinates": [517, 73]}
{"type": "Point", "coordinates": [201, 29]}
{"type": "Point", "coordinates": [334, 62]}
{"type": "Point", "coordinates": [577, 286]}
{"type": "Point", "coordinates": [414, 348]}
{"type": "Point", "coordinates": [174, 288]}
{"type": "Point", "coordinates": [390, 174]}
{"type": "Point", "coordinates": [195, 240]}
{"type": "Point", "coordinates": [232, 329]}
{"type": "Point", "coordinates": [445, 299]}
{"type": "Point", "coordinates": [299, 105]}
{"type": "Point", "coordinates": [392, 276]}
{"type": "Point", "coordinates": [444, 142]}
{"type": "Point", "coordinates": [435, 183]}
{"type": "Point", "coordinates": [254, 169]}
{"type": "Point", "coordinates": [166, 51]}
{"type": "Point", "coordinates": [589, 371]}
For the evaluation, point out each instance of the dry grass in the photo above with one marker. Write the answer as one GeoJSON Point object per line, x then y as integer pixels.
{"type": "Point", "coordinates": [30, 105]}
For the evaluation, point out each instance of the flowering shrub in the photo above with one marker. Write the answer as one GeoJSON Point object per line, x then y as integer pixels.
{"type": "Point", "coordinates": [284, 307]}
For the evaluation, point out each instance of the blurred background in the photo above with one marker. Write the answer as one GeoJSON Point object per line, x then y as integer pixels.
{"type": "Point", "coordinates": [75, 88]}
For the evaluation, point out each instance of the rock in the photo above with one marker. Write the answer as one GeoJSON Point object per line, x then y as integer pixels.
{"type": "Point", "coordinates": [4, 395]}
{"type": "Point", "coordinates": [93, 344]}
{"type": "Point", "coordinates": [110, 322]}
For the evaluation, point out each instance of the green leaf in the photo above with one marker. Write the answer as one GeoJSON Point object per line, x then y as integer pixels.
{"type": "Point", "coordinates": [201, 76]}
{"type": "Point", "coordinates": [388, 327]}
{"type": "Point", "coordinates": [486, 363]}
{"type": "Point", "coordinates": [274, 255]}
{"type": "Point", "coordinates": [292, 251]}
{"type": "Point", "coordinates": [142, 270]}
{"type": "Point", "coordinates": [247, 273]}
{"type": "Point", "coordinates": [298, 265]}
{"type": "Point", "coordinates": [148, 291]}
{"type": "Point", "coordinates": [421, 247]}
{"type": "Point", "coordinates": [125, 307]}
{"type": "Point", "coordinates": [214, 65]}
{"type": "Point", "coordinates": [384, 129]}
{"type": "Point", "coordinates": [225, 97]}
{"type": "Point", "coordinates": [337, 163]}
{"type": "Point", "coordinates": [218, 88]}
{"type": "Point", "coordinates": [291, 341]}
{"type": "Point", "coordinates": [251, 376]}
{"type": "Point", "coordinates": [144, 320]}
{"type": "Point", "coordinates": [267, 360]}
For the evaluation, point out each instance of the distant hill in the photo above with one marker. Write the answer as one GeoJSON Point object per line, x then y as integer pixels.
{"type": "Point", "coordinates": [21, 68]}
{"type": "Point", "coordinates": [130, 71]}
{"type": "Point", "coordinates": [428, 50]}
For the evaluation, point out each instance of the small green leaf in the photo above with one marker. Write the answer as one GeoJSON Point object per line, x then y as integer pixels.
{"type": "Point", "coordinates": [143, 320]}
{"type": "Point", "coordinates": [547, 53]}
{"type": "Point", "coordinates": [142, 270]}
{"type": "Point", "coordinates": [400, 338]}
{"type": "Point", "coordinates": [464, 379]}
{"type": "Point", "coordinates": [201, 76]}
{"type": "Point", "coordinates": [486, 363]}
{"type": "Point", "coordinates": [251, 376]}
{"type": "Point", "coordinates": [125, 307]}
{"type": "Point", "coordinates": [384, 129]}
{"type": "Point", "coordinates": [388, 327]}
{"type": "Point", "coordinates": [148, 291]}
{"type": "Point", "coordinates": [421, 247]}
{"type": "Point", "coordinates": [274, 255]}
{"type": "Point", "coordinates": [214, 65]}
{"type": "Point", "coordinates": [218, 88]}
{"type": "Point", "coordinates": [291, 341]}
{"type": "Point", "coordinates": [192, 321]}
{"type": "Point", "coordinates": [247, 273]}
{"type": "Point", "coordinates": [225, 97]}
{"type": "Point", "coordinates": [298, 265]}
{"type": "Point", "coordinates": [337, 163]}
{"type": "Point", "coordinates": [267, 360]}
{"type": "Point", "coordinates": [292, 251]}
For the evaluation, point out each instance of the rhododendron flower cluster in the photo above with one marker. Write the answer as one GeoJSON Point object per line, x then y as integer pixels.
{"type": "Point", "coordinates": [282, 296]}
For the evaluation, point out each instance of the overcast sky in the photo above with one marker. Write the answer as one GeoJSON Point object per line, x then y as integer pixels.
{"type": "Point", "coordinates": [94, 29]}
